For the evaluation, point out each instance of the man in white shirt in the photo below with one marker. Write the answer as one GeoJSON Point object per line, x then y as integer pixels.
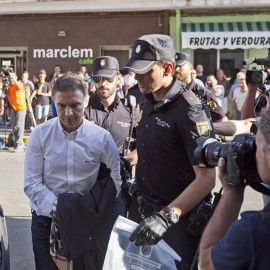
{"type": "Point", "coordinates": [64, 155]}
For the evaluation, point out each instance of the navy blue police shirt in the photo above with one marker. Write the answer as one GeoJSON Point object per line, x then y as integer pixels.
{"type": "Point", "coordinates": [166, 142]}
{"type": "Point", "coordinates": [115, 118]}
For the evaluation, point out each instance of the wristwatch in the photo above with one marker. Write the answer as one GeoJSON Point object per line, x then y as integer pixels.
{"type": "Point", "coordinates": [173, 216]}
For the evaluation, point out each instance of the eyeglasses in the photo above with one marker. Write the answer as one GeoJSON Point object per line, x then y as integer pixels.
{"type": "Point", "coordinates": [98, 79]}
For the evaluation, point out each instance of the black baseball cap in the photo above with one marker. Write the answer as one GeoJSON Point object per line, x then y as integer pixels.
{"type": "Point", "coordinates": [105, 66]}
{"type": "Point", "coordinates": [147, 50]}
{"type": "Point", "coordinates": [181, 58]}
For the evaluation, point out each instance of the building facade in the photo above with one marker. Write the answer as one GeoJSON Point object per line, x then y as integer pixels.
{"type": "Point", "coordinates": [217, 33]}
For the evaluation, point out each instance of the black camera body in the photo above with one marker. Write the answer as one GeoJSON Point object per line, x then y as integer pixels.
{"type": "Point", "coordinates": [242, 149]}
{"type": "Point", "coordinates": [254, 76]}
{"type": "Point", "coordinates": [5, 73]}
{"type": "Point", "coordinates": [6, 70]}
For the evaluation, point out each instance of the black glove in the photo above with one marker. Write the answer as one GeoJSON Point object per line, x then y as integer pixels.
{"type": "Point", "coordinates": [150, 230]}
{"type": "Point", "coordinates": [124, 164]}
{"type": "Point", "coordinates": [124, 168]}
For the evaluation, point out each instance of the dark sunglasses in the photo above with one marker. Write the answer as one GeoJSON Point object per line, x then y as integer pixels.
{"type": "Point", "coordinates": [98, 79]}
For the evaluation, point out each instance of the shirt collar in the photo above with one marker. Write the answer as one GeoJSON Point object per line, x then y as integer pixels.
{"type": "Point", "coordinates": [73, 134]}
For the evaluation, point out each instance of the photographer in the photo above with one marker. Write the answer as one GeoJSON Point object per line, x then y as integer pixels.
{"type": "Point", "coordinates": [16, 96]}
{"type": "Point", "coordinates": [228, 243]}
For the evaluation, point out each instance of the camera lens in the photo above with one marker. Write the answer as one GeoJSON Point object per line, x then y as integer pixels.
{"type": "Point", "coordinates": [214, 151]}
{"type": "Point", "coordinates": [209, 151]}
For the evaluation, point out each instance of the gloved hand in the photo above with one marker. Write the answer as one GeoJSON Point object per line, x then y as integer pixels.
{"type": "Point", "coordinates": [124, 164]}
{"type": "Point", "coordinates": [150, 230]}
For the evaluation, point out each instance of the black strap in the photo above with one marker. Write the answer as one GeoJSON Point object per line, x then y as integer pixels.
{"type": "Point", "coordinates": [265, 214]}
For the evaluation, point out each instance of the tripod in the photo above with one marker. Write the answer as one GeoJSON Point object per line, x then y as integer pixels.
{"type": "Point", "coordinates": [5, 117]}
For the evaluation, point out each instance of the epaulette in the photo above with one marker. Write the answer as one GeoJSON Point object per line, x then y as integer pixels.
{"type": "Point", "coordinates": [191, 98]}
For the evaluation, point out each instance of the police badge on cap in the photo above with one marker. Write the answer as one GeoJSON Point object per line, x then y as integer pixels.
{"type": "Point", "coordinates": [105, 66]}
{"type": "Point", "coordinates": [147, 50]}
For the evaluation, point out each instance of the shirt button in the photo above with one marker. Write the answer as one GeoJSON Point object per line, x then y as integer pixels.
{"type": "Point", "coordinates": [143, 161]}
{"type": "Point", "coordinates": [150, 194]}
{"type": "Point", "coordinates": [146, 126]}
{"type": "Point", "coordinates": [142, 178]}
{"type": "Point", "coordinates": [142, 144]}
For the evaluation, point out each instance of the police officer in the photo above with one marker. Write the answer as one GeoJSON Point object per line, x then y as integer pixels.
{"type": "Point", "coordinates": [169, 182]}
{"type": "Point", "coordinates": [116, 115]}
{"type": "Point", "coordinates": [105, 108]}
{"type": "Point", "coordinates": [182, 72]}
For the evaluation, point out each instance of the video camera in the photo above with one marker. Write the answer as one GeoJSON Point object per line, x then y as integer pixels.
{"type": "Point", "coordinates": [6, 70]}
{"type": "Point", "coordinates": [5, 73]}
{"type": "Point", "coordinates": [259, 76]}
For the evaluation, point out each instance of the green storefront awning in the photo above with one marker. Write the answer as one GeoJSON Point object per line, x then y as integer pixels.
{"type": "Point", "coordinates": [230, 35]}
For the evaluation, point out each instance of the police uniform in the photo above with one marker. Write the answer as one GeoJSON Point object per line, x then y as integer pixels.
{"type": "Point", "coordinates": [115, 118]}
{"type": "Point", "coordinates": [165, 143]}
{"type": "Point", "coordinates": [208, 97]}
{"type": "Point", "coordinates": [135, 91]}
{"type": "Point", "coordinates": [165, 139]}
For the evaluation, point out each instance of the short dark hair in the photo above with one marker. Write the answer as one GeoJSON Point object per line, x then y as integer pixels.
{"type": "Point", "coordinates": [70, 82]}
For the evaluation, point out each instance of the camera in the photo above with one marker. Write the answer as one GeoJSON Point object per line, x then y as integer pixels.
{"type": "Point", "coordinates": [6, 70]}
{"type": "Point", "coordinates": [254, 76]}
{"type": "Point", "coordinates": [242, 150]}
{"type": "Point", "coordinates": [5, 73]}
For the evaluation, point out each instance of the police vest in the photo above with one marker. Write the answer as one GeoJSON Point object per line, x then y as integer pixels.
{"type": "Point", "coordinates": [16, 97]}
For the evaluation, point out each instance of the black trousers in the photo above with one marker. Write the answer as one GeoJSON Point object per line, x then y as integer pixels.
{"type": "Point", "coordinates": [182, 242]}
{"type": "Point", "coordinates": [41, 227]}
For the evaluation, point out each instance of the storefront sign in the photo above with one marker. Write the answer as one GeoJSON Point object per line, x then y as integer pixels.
{"type": "Point", "coordinates": [225, 40]}
{"type": "Point", "coordinates": [63, 53]}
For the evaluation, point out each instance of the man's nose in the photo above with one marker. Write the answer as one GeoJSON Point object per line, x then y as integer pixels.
{"type": "Point", "coordinates": [68, 111]}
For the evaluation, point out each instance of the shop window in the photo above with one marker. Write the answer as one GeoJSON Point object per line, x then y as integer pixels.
{"type": "Point", "coordinates": [228, 60]}
{"type": "Point", "coordinates": [121, 53]}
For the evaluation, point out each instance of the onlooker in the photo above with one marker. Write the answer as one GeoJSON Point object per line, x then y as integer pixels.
{"type": "Point", "coordinates": [239, 96]}
{"type": "Point", "coordinates": [16, 96]}
{"type": "Point", "coordinates": [193, 74]}
{"type": "Point", "coordinates": [56, 73]}
{"type": "Point", "coordinates": [229, 243]}
{"type": "Point", "coordinates": [87, 78]}
{"type": "Point", "coordinates": [218, 90]}
{"type": "Point", "coordinates": [28, 84]}
{"type": "Point", "coordinates": [64, 155]}
{"type": "Point", "coordinates": [52, 79]}
{"type": "Point", "coordinates": [169, 181]}
{"type": "Point", "coordinates": [43, 93]}
{"type": "Point", "coordinates": [200, 75]}
{"type": "Point", "coordinates": [221, 80]}
{"type": "Point", "coordinates": [129, 81]}
{"type": "Point", "coordinates": [29, 90]}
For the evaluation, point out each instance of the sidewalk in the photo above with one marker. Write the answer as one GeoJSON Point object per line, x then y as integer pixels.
{"type": "Point", "coordinates": [4, 135]}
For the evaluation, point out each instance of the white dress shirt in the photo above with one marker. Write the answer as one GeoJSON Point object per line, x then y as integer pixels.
{"type": "Point", "coordinates": [58, 162]}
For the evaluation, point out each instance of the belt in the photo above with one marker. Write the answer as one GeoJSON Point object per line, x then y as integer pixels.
{"type": "Point", "coordinates": [147, 204]}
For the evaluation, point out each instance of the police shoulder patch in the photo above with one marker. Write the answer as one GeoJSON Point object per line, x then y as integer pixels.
{"type": "Point", "coordinates": [203, 128]}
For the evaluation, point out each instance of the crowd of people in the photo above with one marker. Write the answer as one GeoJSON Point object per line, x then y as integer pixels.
{"type": "Point", "coordinates": [89, 143]}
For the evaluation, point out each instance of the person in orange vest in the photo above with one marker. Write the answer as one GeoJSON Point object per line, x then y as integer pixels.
{"type": "Point", "coordinates": [16, 97]}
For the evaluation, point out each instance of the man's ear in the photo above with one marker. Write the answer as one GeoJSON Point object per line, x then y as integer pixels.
{"type": "Point", "coordinates": [86, 101]}
{"type": "Point", "coordinates": [168, 69]}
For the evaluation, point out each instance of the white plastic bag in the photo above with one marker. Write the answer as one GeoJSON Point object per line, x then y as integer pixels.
{"type": "Point", "coordinates": [123, 254]}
